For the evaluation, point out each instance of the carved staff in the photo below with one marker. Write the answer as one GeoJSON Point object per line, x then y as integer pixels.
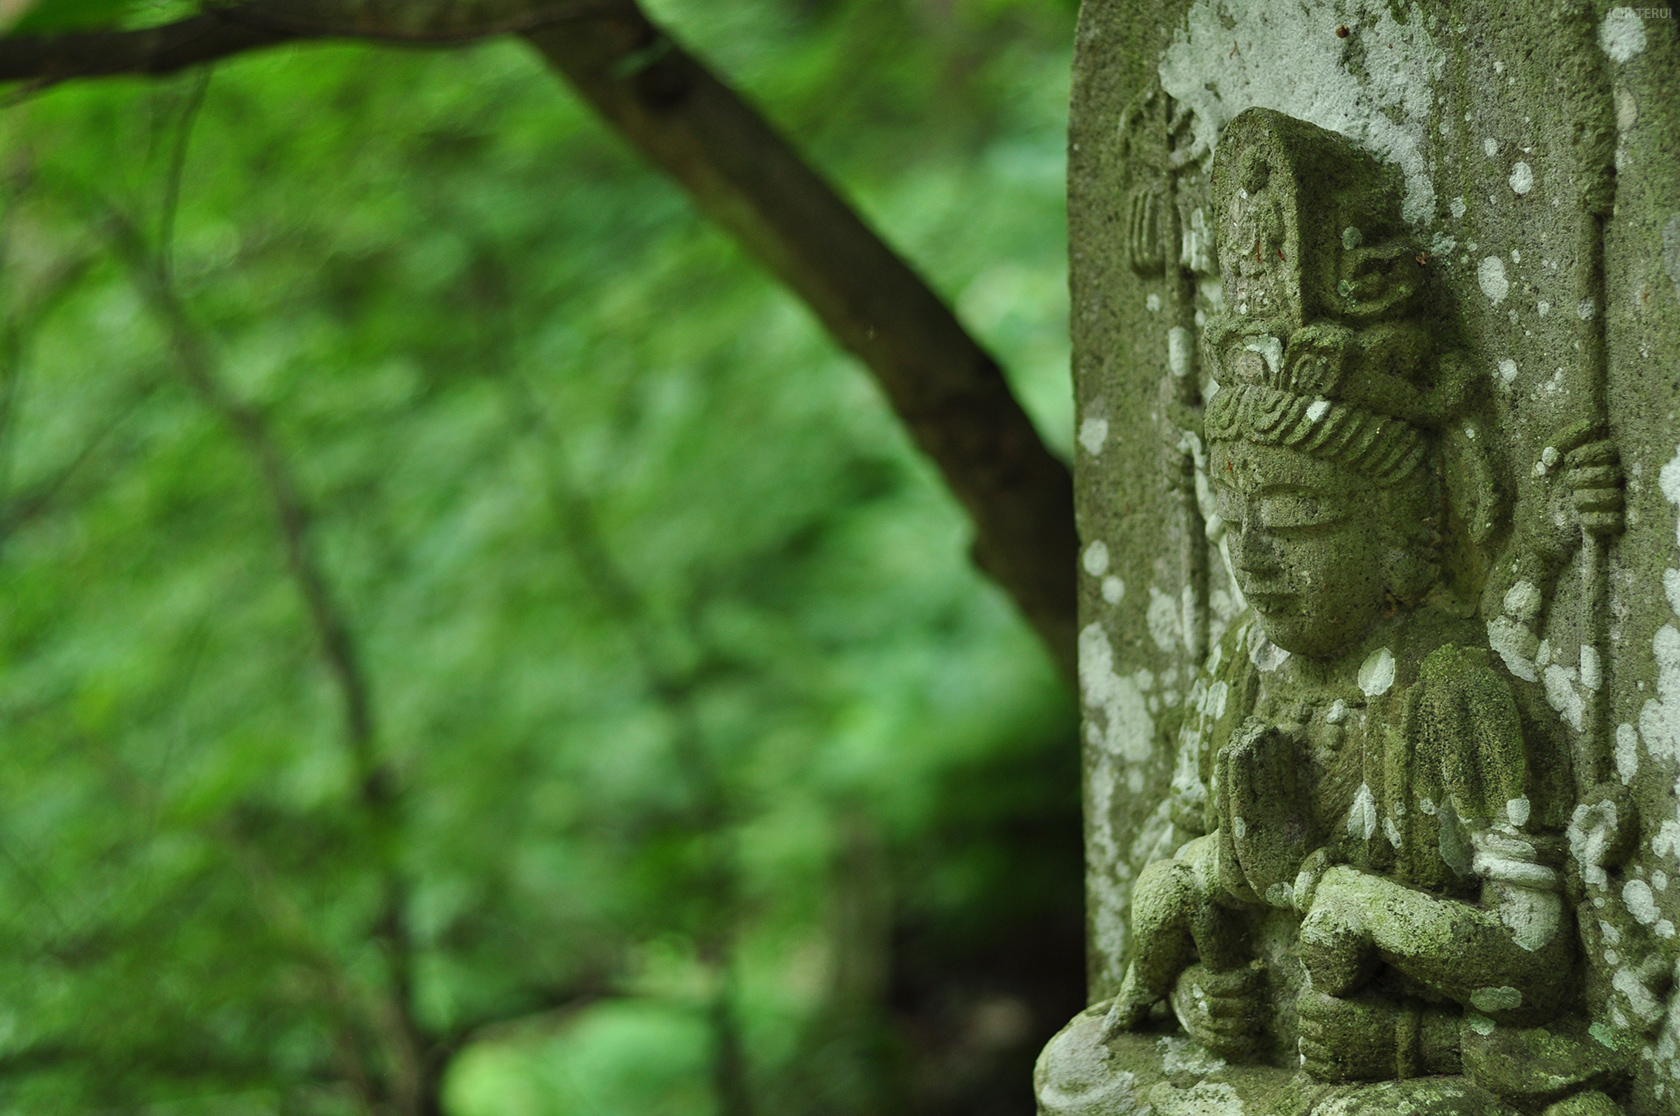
{"type": "Point", "coordinates": [1594, 470]}
{"type": "Point", "coordinates": [1155, 142]}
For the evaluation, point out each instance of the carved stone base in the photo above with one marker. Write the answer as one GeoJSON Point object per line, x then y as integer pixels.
{"type": "Point", "coordinates": [1166, 1074]}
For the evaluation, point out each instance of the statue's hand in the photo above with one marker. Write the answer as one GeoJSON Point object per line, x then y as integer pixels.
{"type": "Point", "coordinates": [1260, 816]}
{"type": "Point", "coordinates": [1222, 1010]}
{"type": "Point", "coordinates": [1581, 477]}
{"type": "Point", "coordinates": [1335, 942]}
{"type": "Point", "coordinates": [1347, 1039]}
{"type": "Point", "coordinates": [1593, 475]}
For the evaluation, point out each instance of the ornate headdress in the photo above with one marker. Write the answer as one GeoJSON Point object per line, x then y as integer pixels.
{"type": "Point", "coordinates": [1318, 349]}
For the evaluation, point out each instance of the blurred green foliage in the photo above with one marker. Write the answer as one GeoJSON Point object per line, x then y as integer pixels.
{"type": "Point", "coordinates": [703, 773]}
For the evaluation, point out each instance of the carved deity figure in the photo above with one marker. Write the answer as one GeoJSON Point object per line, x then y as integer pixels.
{"type": "Point", "coordinates": [1368, 883]}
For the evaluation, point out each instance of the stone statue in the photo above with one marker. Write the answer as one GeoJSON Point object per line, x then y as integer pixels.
{"type": "Point", "coordinates": [1363, 893]}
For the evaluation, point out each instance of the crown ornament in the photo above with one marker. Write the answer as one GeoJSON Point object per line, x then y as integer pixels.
{"type": "Point", "coordinates": [1321, 346]}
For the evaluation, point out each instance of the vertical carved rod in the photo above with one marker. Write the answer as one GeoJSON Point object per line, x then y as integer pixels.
{"type": "Point", "coordinates": [1154, 246]}
{"type": "Point", "coordinates": [1594, 134]}
{"type": "Point", "coordinates": [1583, 85]}
{"type": "Point", "coordinates": [1184, 388]}
{"type": "Point", "coordinates": [1594, 743]}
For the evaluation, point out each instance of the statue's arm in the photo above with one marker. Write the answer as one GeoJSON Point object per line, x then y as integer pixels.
{"type": "Point", "coordinates": [1509, 954]}
{"type": "Point", "coordinates": [1510, 957]}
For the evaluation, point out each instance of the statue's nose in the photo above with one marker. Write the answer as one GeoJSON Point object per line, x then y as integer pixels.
{"type": "Point", "coordinates": [1255, 551]}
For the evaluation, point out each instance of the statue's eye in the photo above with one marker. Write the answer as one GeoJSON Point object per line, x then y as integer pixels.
{"type": "Point", "coordinates": [1299, 511]}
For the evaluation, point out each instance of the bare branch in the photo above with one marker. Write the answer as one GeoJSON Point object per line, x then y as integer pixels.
{"type": "Point", "coordinates": [223, 32]}
{"type": "Point", "coordinates": [153, 51]}
{"type": "Point", "coordinates": [943, 385]}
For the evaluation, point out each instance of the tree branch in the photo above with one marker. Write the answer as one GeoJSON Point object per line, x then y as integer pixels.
{"type": "Point", "coordinates": [745, 176]}
{"type": "Point", "coordinates": [154, 51]}
{"type": "Point", "coordinates": [943, 385]}
{"type": "Point", "coordinates": [415, 1080]}
{"type": "Point", "coordinates": [225, 31]}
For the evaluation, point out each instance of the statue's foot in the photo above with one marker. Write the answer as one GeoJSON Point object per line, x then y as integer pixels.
{"type": "Point", "coordinates": [1131, 1005]}
{"type": "Point", "coordinates": [1223, 1010]}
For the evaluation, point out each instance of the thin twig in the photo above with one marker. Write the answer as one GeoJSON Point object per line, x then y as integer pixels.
{"type": "Point", "coordinates": [415, 1087]}
{"type": "Point", "coordinates": [177, 167]}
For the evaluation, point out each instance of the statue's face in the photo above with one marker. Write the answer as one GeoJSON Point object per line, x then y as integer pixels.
{"type": "Point", "coordinates": [1305, 545]}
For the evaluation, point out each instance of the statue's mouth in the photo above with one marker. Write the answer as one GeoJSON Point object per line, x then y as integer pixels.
{"type": "Point", "coordinates": [1269, 601]}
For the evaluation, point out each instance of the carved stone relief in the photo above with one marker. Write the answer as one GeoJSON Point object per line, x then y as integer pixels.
{"type": "Point", "coordinates": [1365, 825]}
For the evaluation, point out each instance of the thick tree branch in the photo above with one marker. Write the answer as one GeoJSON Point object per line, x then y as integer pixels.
{"type": "Point", "coordinates": [943, 385]}
{"type": "Point", "coordinates": [224, 31]}
{"type": "Point", "coordinates": [748, 178]}
{"type": "Point", "coordinates": [154, 51]}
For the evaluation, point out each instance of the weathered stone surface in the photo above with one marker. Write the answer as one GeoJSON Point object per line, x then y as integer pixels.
{"type": "Point", "coordinates": [1376, 315]}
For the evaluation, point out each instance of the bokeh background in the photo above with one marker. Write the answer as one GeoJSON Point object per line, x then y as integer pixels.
{"type": "Point", "coordinates": [689, 767]}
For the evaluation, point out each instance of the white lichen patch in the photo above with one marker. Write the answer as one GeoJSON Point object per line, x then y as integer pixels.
{"type": "Point", "coordinates": [1622, 34]}
{"type": "Point", "coordinates": [1516, 645]}
{"type": "Point", "coordinates": [1077, 1074]}
{"type": "Point", "coordinates": [1376, 673]}
{"type": "Point", "coordinates": [1627, 753]}
{"type": "Point", "coordinates": [1507, 370]}
{"type": "Point", "coordinates": [1126, 728]}
{"type": "Point", "coordinates": [1212, 703]}
{"type": "Point", "coordinates": [1640, 902]}
{"type": "Point", "coordinates": [1270, 350]}
{"type": "Point", "coordinates": [1121, 731]}
{"type": "Point", "coordinates": [1182, 1055]}
{"type": "Point", "coordinates": [1522, 181]}
{"type": "Point", "coordinates": [1362, 815]}
{"type": "Point", "coordinates": [1670, 251]}
{"type": "Point", "coordinates": [1564, 695]}
{"type": "Point", "coordinates": [1093, 434]}
{"type": "Point", "coordinates": [1646, 1006]}
{"type": "Point", "coordinates": [1095, 560]}
{"type": "Point", "coordinates": [1531, 915]}
{"type": "Point", "coordinates": [1263, 653]}
{"type": "Point", "coordinates": [1231, 56]}
{"type": "Point", "coordinates": [1113, 589]}
{"type": "Point", "coordinates": [1592, 832]}
{"type": "Point", "coordinates": [1163, 619]}
{"type": "Point", "coordinates": [1523, 600]}
{"type": "Point", "coordinates": [1666, 842]}
{"type": "Point", "coordinates": [1490, 276]}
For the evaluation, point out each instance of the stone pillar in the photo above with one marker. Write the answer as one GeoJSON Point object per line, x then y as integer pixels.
{"type": "Point", "coordinates": [1376, 342]}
